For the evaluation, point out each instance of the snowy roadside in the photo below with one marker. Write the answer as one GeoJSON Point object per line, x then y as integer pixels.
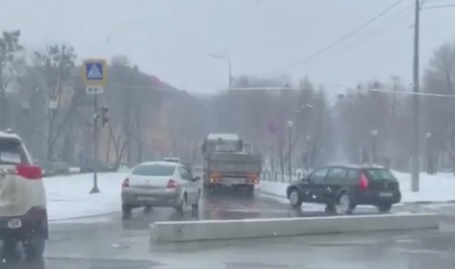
{"type": "Point", "coordinates": [68, 196]}
{"type": "Point", "coordinates": [438, 188]}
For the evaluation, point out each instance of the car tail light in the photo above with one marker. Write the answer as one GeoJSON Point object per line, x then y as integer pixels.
{"type": "Point", "coordinates": [37, 213]}
{"type": "Point", "coordinates": [126, 183]}
{"type": "Point", "coordinates": [363, 182]}
{"type": "Point", "coordinates": [171, 184]}
{"type": "Point", "coordinates": [29, 171]}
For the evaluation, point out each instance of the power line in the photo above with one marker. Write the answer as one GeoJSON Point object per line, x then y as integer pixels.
{"type": "Point", "coordinates": [369, 35]}
{"type": "Point", "coordinates": [414, 93]}
{"type": "Point", "coordinates": [438, 6]}
{"type": "Point", "coordinates": [349, 35]}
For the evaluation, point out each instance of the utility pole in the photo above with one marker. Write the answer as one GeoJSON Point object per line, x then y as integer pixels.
{"type": "Point", "coordinates": [290, 125]}
{"type": "Point", "coordinates": [416, 105]}
{"type": "Point", "coordinates": [228, 61]}
{"type": "Point", "coordinates": [95, 188]}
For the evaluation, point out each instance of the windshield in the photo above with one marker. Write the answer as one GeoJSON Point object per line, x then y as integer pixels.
{"type": "Point", "coordinates": [154, 170]}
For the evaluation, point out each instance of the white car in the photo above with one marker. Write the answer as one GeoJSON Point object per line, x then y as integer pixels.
{"type": "Point", "coordinates": [23, 213]}
{"type": "Point", "coordinates": [160, 184]}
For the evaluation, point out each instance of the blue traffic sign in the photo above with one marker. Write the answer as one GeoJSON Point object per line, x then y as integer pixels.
{"type": "Point", "coordinates": [94, 72]}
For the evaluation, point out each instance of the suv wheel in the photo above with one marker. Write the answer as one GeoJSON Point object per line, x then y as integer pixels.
{"type": "Point", "coordinates": [10, 248]}
{"type": "Point", "coordinates": [384, 208]}
{"type": "Point", "coordinates": [34, 247]}
{"type": "Point", "coordinates": [295, 198]}
{"type": "Point", "coordinates": [344, 204]}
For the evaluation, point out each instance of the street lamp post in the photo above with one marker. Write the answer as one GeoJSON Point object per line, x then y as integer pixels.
{"type": "Point", "coordinates": [307, 153]}
{"type": "Point", "coordinates": [374, 134]}
{"type": "Point", "coordinates": [228, 61]}
{"type": "Point", "coordinates": [429, 157]}
{"type": "Point", "coordinates": [290, 125]}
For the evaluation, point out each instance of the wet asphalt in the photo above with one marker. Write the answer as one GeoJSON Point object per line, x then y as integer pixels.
{"type": "Point", "coordinates": [108, 242]}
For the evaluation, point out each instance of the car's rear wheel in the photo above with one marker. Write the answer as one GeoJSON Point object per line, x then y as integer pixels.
{"type": "Point", "coordinates": [34, 247]}
{"type": "Point", "coordinates": [385, 208]}
{"type": "Point", "coordinates": [126, 211]}
{"type": "Point", "coordinates": [195, 205]}
{"type": "Point", "coordinates": [181, 208]}
{"type": "Point", "coordinates": [294, 198]}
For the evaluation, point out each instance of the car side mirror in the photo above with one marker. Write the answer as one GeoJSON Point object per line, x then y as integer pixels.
{"type": "Point", "coordinates": [196, 178]}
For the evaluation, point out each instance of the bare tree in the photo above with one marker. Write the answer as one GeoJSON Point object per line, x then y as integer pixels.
{"type": "Point", "coordinates": [440, 115]}
{"type": "Point", "coordinates": [57, 64]}
{"type": "Point", "coordinates": [9, 46]}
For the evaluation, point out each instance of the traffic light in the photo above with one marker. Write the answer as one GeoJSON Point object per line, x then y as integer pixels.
{"type": "Point", "coordinates": [104, 118]}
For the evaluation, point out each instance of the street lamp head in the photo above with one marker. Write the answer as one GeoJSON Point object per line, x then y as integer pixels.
{"type": "Point", "coordinates": [428, 135]}
{"type": "Point", "coordinates": [290, 123]}
{"type": "Point", "coordinates": [374, 132]}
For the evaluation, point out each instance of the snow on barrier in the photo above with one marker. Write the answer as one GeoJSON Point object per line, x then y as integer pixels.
{"type": "Point", "coordinates": [184, 231]}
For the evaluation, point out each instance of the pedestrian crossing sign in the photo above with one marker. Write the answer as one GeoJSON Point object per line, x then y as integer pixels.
{"type": "Point", "coordinates": [94, 72]}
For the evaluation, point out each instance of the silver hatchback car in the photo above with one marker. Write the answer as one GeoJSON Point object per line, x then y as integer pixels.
{"type": "Point", "coordinates": [160, 184]}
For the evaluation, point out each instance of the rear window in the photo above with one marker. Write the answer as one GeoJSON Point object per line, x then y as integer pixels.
{"type": "Point", "coordinates": [12, 152]}
{"type": "Point", "coordinates": [380, 174]}
{"type": "Point", "coordinates": [154, 170]}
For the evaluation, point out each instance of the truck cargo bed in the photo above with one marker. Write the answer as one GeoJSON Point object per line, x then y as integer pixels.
{"type": "Point", "coordinates": [233, 163]}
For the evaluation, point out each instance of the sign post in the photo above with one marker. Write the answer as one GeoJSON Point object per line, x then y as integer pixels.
{"type": "Point", "coordinates": [94, 74]}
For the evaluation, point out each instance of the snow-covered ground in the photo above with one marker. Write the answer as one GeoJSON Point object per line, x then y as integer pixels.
{"type": "Point", "coordinates": [68, 196]}
{"type": "Point", "coordinates": [436, 188]}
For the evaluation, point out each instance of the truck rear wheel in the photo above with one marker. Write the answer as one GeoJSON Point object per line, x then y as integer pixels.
{"type": "Point", "coordinates": [249, 191]}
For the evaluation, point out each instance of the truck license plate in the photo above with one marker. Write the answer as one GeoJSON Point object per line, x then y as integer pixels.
{"type": "Point", "coordinates": [146, 198]}
{"type": "Point", "coordinates": [233, 180]}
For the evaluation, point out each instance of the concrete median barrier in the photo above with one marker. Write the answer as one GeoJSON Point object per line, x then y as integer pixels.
{"type": "Point", "coordinates": [185, 231]}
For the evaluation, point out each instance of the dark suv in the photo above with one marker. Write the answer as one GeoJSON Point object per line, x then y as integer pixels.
{"type": "Point", "coordinates": [342, 188]}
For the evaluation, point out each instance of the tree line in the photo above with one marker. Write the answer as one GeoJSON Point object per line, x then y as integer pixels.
{"type": "Point", "coordinates": [43, 99]}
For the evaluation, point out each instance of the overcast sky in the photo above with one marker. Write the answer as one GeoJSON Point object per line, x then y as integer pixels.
{"type": "Point", "coordinates": [172, 38]}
